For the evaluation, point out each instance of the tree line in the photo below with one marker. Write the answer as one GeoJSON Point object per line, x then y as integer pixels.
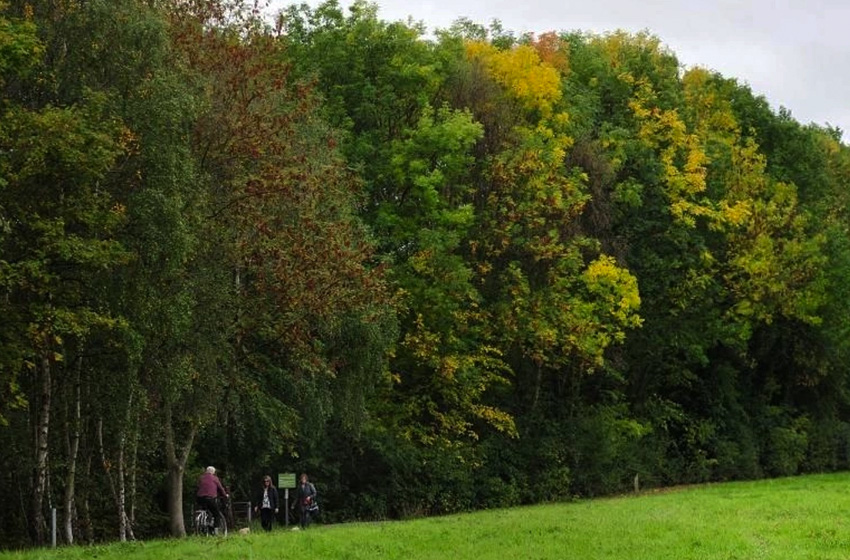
{"type": "Point", "coordinates": [439, 272]}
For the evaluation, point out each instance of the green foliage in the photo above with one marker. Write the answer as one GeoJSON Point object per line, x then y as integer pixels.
{"type": "Point", "coordinates": [60, 227]}
{"type": "Point", "coordinates": [786, 442]}
{"type": "Point", "coordinates": [438, 274]}
{"type": "Point", "coordinates": [20, 49]}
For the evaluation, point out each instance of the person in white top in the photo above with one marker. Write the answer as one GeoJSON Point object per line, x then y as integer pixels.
{"type": "Point", "coordinates": [266, 503]}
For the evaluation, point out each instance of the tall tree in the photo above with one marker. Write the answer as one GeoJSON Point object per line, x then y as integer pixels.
{"type": "Point", "coordinates": [61, 240]}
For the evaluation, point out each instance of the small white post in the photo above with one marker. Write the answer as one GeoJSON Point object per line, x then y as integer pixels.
{"type": "Point", "coordinates": [286, 507]}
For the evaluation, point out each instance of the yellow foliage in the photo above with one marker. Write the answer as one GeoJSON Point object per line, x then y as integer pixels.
{"type": "Point", "coordinates": [499, 419]}
{"type": "Point", "coordinates": [621, 45]}
{"type": "Point", "coordinates": [533, 82]}
{"type": "Point", "coordinates": [421, 261]}
{"type": "Point", "coordinates": [448, 366]}
{"type": "Point", "coordinates": [737, 213]}
{"type": "Point", "coordinates": [617, 287]}
{"type": "Point", "coordinates": [681, 152]}
{"type": "Point", "coordinates": [713, 113]}
{"type": "Point", "coordinates": [422, 343]}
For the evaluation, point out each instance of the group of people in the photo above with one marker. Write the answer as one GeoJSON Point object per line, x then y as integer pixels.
{"type": "Point", "coordinates": [267, 501]}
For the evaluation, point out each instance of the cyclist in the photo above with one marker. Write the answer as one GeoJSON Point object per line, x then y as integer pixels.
{"type": "Point", "coordinates": [209, 489]}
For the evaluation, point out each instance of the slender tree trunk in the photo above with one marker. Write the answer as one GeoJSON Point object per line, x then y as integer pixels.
{"type": "Point", "coordinates": [114, 489]}
{"type": "Point", "coordinates": [133, 470]}
{"type": "Point", "coordinates": [120, 497]}
{"type": "Point", "coordinates": [73, 450]}
{"type": "Point", "coordinates": [107, 469]}
{"type": "Point", "coordinates": [23, 495]}
{"type": "Point", "coordinates": [125, 527]}
{"type": "Point", "coordinates": [87, 521]}
{"type": "Point", "coordinates": [39, 484]}
{"type": "Point", "coordinates": [117, 484]}
{"type": "Point", "coordinates": [176, 464]}
{"type": "Point", "coordinates": [538, 381]}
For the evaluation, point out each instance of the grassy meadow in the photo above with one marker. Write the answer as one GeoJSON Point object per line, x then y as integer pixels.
{"type": "Point", "coordinates": [790, 518]}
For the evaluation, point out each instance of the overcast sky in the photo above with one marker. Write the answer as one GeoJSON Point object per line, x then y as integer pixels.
{"type": "Point", "coordinates": [795, 53]}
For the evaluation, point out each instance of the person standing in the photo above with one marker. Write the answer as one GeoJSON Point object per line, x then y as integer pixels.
{"type": "Point", "coordinates": [209, 490]}
{"type": "Point", "coordinates": [306, 500]}
{"type": "Point", "coordinates": [267, 503]}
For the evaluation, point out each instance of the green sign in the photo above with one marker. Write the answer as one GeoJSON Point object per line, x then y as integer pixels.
{"type": "Point", "coordinates": [286, 480]}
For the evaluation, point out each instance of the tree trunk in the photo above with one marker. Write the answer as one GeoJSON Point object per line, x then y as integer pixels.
{"type": "Point", "coordinates": [73, 450]}
{"type": "Point", "coordinates": [125, 527]}
{"type": "Point", "coordinates": [121, 496]}
{"type": "Point", "coordinates": [175, 499]}
{"type": "Point", "coordinates": [133, 470]}
{"type": "Point", "coordinates": [39, 482]}
{"type": "Point", "coordinates": [118, 484]}
{"type": "Point", "coordinates": [538, 381]}
{"type": "Point", "coordinates": [107, 470]}
{"type": "Point", "coordinates": [176, 465]}
{"type": "Point", "coordinates": [88, 526]}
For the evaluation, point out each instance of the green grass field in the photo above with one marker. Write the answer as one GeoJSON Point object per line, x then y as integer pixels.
{"type": "Point", "coordinates": [791, 518]}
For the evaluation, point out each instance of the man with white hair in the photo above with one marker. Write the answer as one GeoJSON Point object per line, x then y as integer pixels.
{"type": "Point", "coordinates": [209, 489]}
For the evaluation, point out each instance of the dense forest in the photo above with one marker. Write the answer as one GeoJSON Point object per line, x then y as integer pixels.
{"type": "Point", "coordinates": [437, 271]}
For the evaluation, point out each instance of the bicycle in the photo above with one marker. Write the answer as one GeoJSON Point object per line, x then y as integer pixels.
{"type": "Point", "coordinates": [205, 524]}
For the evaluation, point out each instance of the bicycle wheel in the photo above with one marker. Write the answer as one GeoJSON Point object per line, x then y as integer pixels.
{"type": "Point", "coordinates": [221, 529]}
{"type": "Point", "coordinates": [200, 522]}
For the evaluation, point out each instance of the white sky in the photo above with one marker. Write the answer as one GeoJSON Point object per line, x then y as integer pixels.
{"type": "Point", "coordinates": [795, 53]}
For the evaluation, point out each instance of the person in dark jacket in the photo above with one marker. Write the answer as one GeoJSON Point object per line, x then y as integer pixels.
{"type": "Point", "coordinates": [306, 500]}
{"type": "Point", "coordinates": [267, 503]}
{"type": "Point", "coordinates": [209, 489]}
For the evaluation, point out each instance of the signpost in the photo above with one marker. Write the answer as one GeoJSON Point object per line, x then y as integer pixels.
{"type": "Point", "coordinates": [286, 481]}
